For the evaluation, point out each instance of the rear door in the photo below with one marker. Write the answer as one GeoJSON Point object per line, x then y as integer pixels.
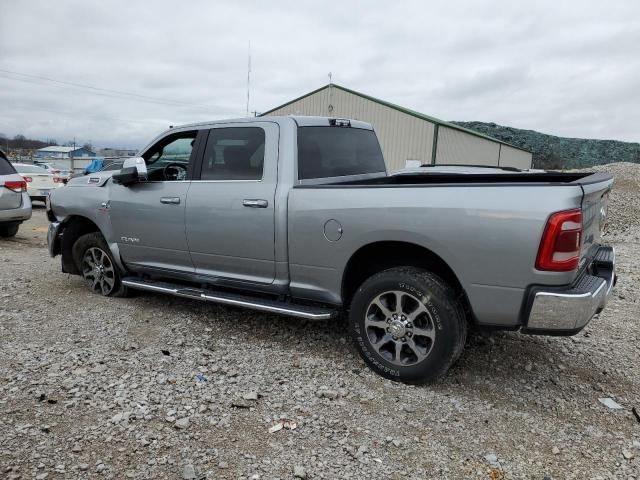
{"type": "Point", "coordinates": [148, 218]}
{"type": "Point", "coordinates": [230, 206]}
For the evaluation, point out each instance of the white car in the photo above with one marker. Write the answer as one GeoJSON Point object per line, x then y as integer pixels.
{"type": "Point", "coordinates": [59, 172]}
{"type": "Point", "coordinates": [15, 205]}
{"type": "Point", "coordinates": [40, 183]}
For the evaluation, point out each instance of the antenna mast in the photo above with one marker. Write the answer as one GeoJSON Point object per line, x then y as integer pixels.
{"type": "Point", "coordinates": [330, 106]}
{"type": "Point", "coordinates": [248, 78]}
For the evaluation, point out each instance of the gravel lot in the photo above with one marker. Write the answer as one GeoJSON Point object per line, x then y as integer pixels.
{"type": "Point", "coordinates": [160, 387]}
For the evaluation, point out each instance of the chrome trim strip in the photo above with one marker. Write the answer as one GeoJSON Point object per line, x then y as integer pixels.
{"type": "Point", "coordinates": [254, 305]}
{"type": "Point", "coordinates": [612, 277]}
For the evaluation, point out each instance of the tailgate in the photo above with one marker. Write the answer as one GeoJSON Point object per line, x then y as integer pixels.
{"type": "Point", "coordinates": [43, 182]}
{"type": "Point", "coordinates": [8, 198]}
{"type": "Point", "coordinates": [595, 200]}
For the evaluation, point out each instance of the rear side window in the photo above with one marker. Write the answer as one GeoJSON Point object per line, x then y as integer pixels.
{"type": "Point", "coordinates": [234, 154]}
{"type": "Point", "coordinates": [6, 168]}
{"type": "Point", "coordinates": [337, 151]}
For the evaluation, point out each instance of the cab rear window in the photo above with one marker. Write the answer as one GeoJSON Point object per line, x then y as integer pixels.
{"type": "Point", "coordinates": [6, 168]}
{"type": "Point", "coordinates": [325, 152]}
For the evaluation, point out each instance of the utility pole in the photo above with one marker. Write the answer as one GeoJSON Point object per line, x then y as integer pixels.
{"type": "Point", "coordinates": [71, 163]}
{"type": "Point", "coordinates": [248, 78]}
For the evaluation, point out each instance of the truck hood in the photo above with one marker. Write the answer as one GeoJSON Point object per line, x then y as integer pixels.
{"type": "Point", "coordinates": [98, 179]}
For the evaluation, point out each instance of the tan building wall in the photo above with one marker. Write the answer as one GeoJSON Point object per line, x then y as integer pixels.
{"type": "Point", "coordinates": [459, 148]}
{"type": "Point", "coordinates": [401, 136]}
{"type": "Point", "coordinates": [512, 157]}
{"type": "Point", "coordinates": [406, 136]}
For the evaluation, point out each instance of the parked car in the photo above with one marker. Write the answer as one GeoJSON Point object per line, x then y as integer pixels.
{"type": "Point", "coordinates": [298, 216]}
{"type": "Point", "coordinates": [59, 172]}
{"type": "Point", "coordinates": [40, 183]}
{"type": "Point", "coordinates": [15, 205]}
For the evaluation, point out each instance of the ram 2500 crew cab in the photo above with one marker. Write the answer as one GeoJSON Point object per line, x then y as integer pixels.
{"type": "Point", "coordinates": [298, 216]}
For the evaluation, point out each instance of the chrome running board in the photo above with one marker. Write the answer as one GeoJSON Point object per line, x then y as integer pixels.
{"type": "Point", "coordinates": [235, 300]}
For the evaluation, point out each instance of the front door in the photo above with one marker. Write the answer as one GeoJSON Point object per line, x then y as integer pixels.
{"type": "Point", "coordinates": [230, 206]}
{"type": "Point", "coordinates": [148, 218]}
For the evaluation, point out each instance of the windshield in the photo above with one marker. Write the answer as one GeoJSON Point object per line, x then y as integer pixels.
{"type": "Point", "coordinates": [325, 152]}
{"type": "Point", "coordinates": [31, 169]}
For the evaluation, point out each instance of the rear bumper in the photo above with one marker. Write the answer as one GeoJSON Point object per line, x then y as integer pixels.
{"type": "Point", "coordinates": [20, 214]}
{"type": "Point", "coordinates": [567, 310]}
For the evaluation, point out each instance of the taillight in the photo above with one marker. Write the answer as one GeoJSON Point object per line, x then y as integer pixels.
{"type": "Point", "coordinates": [58, 180]}
{"type": "Point", "coordinates": [17, 186]}
{"type": "Point", "coordinates": [560, 245]}
{"type": "Point", "coordinates": [28, 179]}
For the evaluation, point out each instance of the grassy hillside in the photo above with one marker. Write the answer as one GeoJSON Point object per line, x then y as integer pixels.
{"type": "Point", "coordinates": [550, 151]}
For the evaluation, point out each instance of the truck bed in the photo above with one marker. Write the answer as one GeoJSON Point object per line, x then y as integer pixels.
{"type": "Point", "coordinates": [439, 178]}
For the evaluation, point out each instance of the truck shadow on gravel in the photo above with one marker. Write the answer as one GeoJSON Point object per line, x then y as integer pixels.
{"type": "Point", "coordinates": [492, 365]}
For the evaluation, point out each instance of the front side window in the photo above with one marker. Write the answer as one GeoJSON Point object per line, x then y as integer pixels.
{"type": "Point", "coordinates": [168, 160]}
{"type": "Point", "coordinates": [325, 152]}
{"type": "Point", "coordinates": [235, 153]}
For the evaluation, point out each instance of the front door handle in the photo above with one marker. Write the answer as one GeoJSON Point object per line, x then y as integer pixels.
{"type": "Point", "coordinates": [170, 200]}
{"type": "Point", "coordinates": [255, 203]}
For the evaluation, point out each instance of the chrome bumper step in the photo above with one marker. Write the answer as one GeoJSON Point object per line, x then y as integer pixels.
{"type": "Point", "coordinates": [566, 310]}
{"type": "Point", "coordinates": [244, 301]}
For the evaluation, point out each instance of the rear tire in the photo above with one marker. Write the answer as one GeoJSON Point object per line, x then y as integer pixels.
{"type": "Point", "coordinates": [408, 325]}
{"type": "Point", "coordinates": [8, 231]}
{"type": "Point", "coordinates": [97, 267]}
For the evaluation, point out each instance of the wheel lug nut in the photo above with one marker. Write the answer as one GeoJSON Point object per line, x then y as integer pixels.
{"type": "Point", "coordinates": [409, 325]}
{"type": "Point", "coordinates": [409, 334]}
{"type": "Point", "coordinates": [388, 329]}
{"type": "Point", "coordinates": [395, 338]}
{"type": "Point", "coordinates": [403, 339]}
{"type": "Point", "coordinates": [388, 320]}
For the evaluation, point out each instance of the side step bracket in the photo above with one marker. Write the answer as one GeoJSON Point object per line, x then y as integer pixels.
{"type": "Point", "coordinates": [236, 300]}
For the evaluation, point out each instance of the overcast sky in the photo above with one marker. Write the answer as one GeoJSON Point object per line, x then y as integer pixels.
{"type": "Point", "coordinates": [565, 68]}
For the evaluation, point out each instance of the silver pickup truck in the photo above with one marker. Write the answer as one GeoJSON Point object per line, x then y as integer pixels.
{"type": "Point", "coordinates": [298, 216]}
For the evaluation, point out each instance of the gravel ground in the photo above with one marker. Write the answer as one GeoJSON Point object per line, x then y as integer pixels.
{"type": "Point", "coordinates": [160, 387]}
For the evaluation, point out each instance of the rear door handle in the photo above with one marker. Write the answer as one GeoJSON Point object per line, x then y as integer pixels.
{"type": "Point", "coordinates": [170, 200]}
{"type": "Point", "coordinates": [255, 203]}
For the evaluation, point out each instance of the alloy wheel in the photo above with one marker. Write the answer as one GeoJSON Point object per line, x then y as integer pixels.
{"type": "Point", "coordinates": [400, 328]}
{"type": "Point", "coordinates": [98, 271]}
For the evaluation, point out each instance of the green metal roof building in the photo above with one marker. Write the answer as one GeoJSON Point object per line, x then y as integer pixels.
{"type": "Point", "coordinates": [408, 138]}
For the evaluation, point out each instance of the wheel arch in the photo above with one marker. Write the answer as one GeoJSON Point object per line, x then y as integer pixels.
{"type": "Point", "coordinates": [72, 228]}
{"type": "Point", "coordinates": [382, 255]}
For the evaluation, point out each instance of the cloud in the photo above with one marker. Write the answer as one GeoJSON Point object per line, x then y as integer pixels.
{"type": "Point", "coordinates": [558, 67]}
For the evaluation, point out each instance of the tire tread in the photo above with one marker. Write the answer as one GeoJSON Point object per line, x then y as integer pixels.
{"type": "Point", "coordinates": [453, 305]}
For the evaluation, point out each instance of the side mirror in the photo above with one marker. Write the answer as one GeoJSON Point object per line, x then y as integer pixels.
{"type": "Point", "coordinates": [138, 163]}
{"type": "Point", "coordinates": [133, 171]}
{"type": "Point", "coordinates": [126, 176]}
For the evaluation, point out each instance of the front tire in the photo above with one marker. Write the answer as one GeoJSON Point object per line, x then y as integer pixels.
{"type": "Point", "coordinates": [8, 231]}
{"type": "Point", "coordinates": [408, 325]}
{"type": "Point", "coordinates": [97, 266]}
